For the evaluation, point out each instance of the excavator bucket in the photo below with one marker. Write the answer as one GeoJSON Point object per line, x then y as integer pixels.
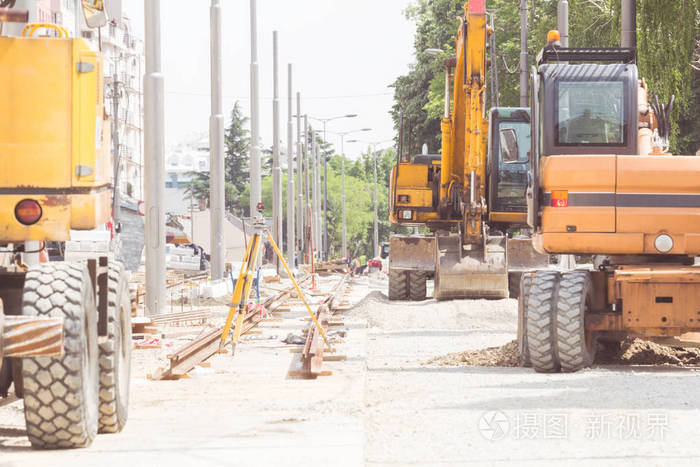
{"type": "Point", "coordinates": [479, 273]}
{"type": "Point", "coordinates": [412, 253]}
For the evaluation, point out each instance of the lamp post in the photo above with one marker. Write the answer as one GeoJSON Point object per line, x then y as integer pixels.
{"type": "Point", "coordinates": [154, 170]}
{"type": "Point", "coordinates": [317, 192]}
{"type": "Point", "coordinates": [217, 201]}
{"type": "Point", "coordinates": [343, 134]}
{"type": "Point", "coordinates": [325, 180]}
{"type": "Point", "coordinates": [376, 209]}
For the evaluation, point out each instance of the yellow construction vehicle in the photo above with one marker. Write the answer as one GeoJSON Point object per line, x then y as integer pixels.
{"type": "Point", "coordinates": [470, 195]}
{"type": "Point", "coordinates": [603, 184]}
{"type": "Point", "coordinates": [70, 321]}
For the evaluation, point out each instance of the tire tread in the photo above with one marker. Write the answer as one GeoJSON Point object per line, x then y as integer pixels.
{"type": "Point", "coordinates": [541, 338]}
{"type": "Point", "coordinates": [55, 406]}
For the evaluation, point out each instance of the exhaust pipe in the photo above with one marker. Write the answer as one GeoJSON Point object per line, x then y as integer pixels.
{"type": "Point", "coordinates": [629, 24]}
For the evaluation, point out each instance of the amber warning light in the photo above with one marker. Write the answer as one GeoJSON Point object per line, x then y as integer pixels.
{"type": "Point", "coordinates": [560, 199]}
{"type": "Point", "coordinates": [554, 39]}
{"type": "Point", "coordinates": [28, 212]}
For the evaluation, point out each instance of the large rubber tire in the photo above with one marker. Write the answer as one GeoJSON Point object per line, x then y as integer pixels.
{"type": "Point", "coordinates": [60, 393]}
{"type": "Point", "coordinates": [417, 285]}
{"type": "Point", "coordinates": [575, 348]}
{"type": "Point", "coordinates": [540, 321]}
{"type": "Point", "coordinates": [398, 285]}
{"type": "Point", "coordinates": [115, 354]}
{"type": "Point", "coordinates": [524, 351]}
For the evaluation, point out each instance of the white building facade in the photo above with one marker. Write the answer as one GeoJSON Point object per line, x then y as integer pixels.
{"type": "Point", "coordinates": [191, 155]}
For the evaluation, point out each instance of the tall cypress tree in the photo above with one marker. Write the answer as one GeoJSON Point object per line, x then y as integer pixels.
{"type": "Point", "coordinates": [237, 145]}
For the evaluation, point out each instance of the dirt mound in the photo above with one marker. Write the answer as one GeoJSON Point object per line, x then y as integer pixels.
{"type": "Point", "coordinates": [631, 351]}
{"type": "Point", "coordinates": [369, 303]}
{"type": "Point", "coordinates": [505, 355]}
{"type": "Point", "coordinates": [634, 351]}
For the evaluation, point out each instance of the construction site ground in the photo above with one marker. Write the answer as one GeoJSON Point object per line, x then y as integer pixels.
{"type": "Point", "coordinates": [386, 405]}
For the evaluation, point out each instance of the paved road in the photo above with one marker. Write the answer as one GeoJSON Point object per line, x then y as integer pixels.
{"type": "Point", "coordinates": [384, 407]}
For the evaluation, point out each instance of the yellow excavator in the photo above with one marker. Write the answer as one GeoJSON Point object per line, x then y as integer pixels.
{"type": "Point", "coordinates": [471, 195]}
{"type": "Point", "coordinates": [65, 330]}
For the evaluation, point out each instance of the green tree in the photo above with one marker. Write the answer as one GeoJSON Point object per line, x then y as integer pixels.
{"type": "Point", "coordinates": [667, 31]}
{"type": "Point", "coordinates": [237, 156]}
{"type": "Point", "coordinates": [199, 187]}
{"type": "Point", "coordinates": [236, 188]}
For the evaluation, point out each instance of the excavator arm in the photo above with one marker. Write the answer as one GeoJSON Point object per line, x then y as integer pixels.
{"type": "Point", "coordinates": [465, 129]}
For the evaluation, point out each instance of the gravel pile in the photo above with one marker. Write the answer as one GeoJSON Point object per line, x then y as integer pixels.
{"type": "Point", "coordinates": [505, 355]}
{"type": "Point", "coordinates": [631, 351]}
{"type": "Point", "coordinates": [634, 351]}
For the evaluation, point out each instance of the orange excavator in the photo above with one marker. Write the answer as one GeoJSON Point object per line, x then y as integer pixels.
{"type": "Point", "coordinates": [603, 183]}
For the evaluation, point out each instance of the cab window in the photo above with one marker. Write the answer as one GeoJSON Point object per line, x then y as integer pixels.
{"type": "Point", "coordinates": [590, 112]}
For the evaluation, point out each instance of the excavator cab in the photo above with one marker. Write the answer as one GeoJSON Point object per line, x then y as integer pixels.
{"type": "Point", "coordinates": [508, 163]}
{"type": "Point", "coordinates": [581, 108]}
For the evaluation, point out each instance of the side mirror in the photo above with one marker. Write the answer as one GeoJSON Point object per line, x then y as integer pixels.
{"type": "Point", "coordinates": [509, 146]}
{"type": "Point", "coordinates": [94, 12]}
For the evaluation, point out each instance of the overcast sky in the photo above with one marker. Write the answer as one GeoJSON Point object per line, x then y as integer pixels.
{"type": "Point", "coordinates": [344, 56]}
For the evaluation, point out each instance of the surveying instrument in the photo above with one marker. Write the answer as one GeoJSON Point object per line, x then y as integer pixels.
{"type": "Point", "coordinates": [244, 284]}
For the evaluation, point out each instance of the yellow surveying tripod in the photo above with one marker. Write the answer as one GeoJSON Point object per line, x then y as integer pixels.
{"type": "Point", "coordinates": [241, 293]}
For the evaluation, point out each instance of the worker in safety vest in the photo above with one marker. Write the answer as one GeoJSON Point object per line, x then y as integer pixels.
{"type": "Point", "coordinates": [363, 264]}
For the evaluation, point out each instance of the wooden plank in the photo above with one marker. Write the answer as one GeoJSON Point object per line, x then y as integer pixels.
{"type": "Point", "coordinates": [334, 358]}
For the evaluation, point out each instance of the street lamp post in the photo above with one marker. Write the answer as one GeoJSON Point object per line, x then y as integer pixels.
{"type": "Point", "coordinates": [217, 203]}
{"type": "Point", "coordinates": [154, 150]}
{"type": "Point", "coordinates": [325, 180]}
{"type": "Point", "coordinates": [290, 173]}
{"type": "Point", "coordinates": [307, 181]}
{"type": "Point", "coordinates": [342, 135]}
{"type": "Point", "coordinates": [276, 170]}
{"type": "Point", "coordinates": [300, 184]}
{"type": "Point", "coordinates": [317, 193]}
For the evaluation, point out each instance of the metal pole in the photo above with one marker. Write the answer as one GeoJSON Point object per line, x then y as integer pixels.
{"type": "Point", "coordinates": [217, 201]}
{"type": "Point", "coordinates": [342, 177]}
{"type": "Point", "coordinates": [78, 5]}
{"type": "Point", "coordinates": [524, 94]}
{"type": "Point", "coordinates": [319, 221]}
{"type": "Point", "coordinates": [629, 24]}
{"type": "Point", "coordinates": [192, 210]}
{"type": "Point", "coordinates": [326, 247]}
{"type": "Point", "coordinates": [494, 64]}
{"type": "Point", "coordinates": [315, 202]}
{"type": "Point", "coordinates": [255, 182]}
{"type": "Point", "coordinates": [563, 22]}
{"type": "Point", "coordinates": [290, 174]}
{"type": "Point", "coordinates": [376, 219]}
{"type": "Point", "coordinates": [115, 149]}
{"type": "Point", "coordinates": [307, 183]}
{"type": "Point", "coordinates": [300, 183]}
{"type": "Point", "coordinates": [154, 149]}
{"type": "Point", "coordinates": [276, 171]}
{"type": "Point", "coordinates": [446, 113]}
